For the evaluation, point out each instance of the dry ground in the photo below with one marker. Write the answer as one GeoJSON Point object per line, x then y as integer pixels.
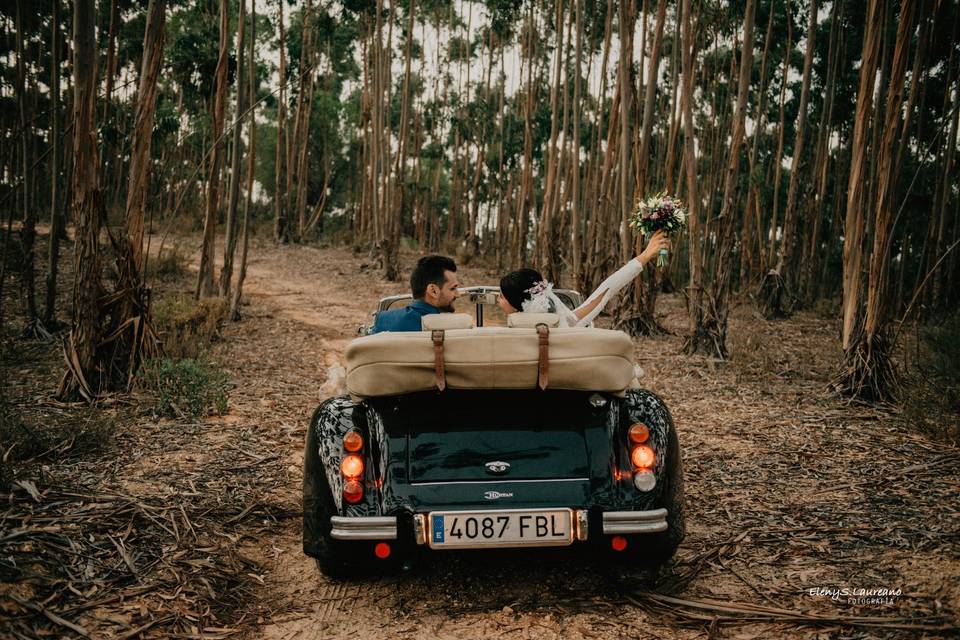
{"type": "Point", "coordinates": [789, 490]}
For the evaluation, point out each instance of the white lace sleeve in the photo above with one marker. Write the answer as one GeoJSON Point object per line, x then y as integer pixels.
{"type": "Point", "coordinates": [610, 288]}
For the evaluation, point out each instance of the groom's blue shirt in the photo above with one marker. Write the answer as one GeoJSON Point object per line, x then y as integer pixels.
{"type": "Point", "coordinates": [405, 319]}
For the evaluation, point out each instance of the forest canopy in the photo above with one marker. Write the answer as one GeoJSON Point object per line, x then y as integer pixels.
{"type": "Point", "coordinates": [813, 144]}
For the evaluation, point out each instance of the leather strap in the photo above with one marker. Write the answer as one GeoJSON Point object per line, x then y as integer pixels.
{"type": "Point", "coordinates": [543, 361]}
{"type": "Point", "coordinates": [438, 367]}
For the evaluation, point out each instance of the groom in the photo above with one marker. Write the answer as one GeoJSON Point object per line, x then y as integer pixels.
{"type": "Point", "coordinates": [434, 286]}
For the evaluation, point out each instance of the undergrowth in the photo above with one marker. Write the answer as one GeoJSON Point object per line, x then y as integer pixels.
{"type": "Point", "coordinates": [170, 264]}
{"type": "Point", "coordinates": [36, 435]}
{"type": "Point", "coordinates": [187, 327]}
{"type": "Point", "coordinates": [932, 395]}
{"type": "Point", "coordinates": [186, 388]}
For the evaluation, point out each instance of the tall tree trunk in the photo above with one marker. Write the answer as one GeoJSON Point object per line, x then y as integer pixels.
{"type": "Point", "coordinates": [719, 309]}
{"type": "Point", "coordinates": [230, 228]}
{"type": "Point", "coordinates": [28, 232]}
{"type": "Point", "coordinates": [853, 245]}
{"type": "Point", "coordinates": [82, 362]}
{"type": "Point", "coordinates": [695, 307]}
{"type": "Point", "coordinates": [545, 243]}
{"type": "Point", "coordinates": [575, 246]}
{"type": "Point", "coordinates": [205, 285]}
{"type": "Point", "coordinates": [109, 153]}
{"type": "Point", "coordinates": [822, 163]}
{"type": "Point", "coordinates": [138, 188]}
{"type": "Point", "coordinates": [131, 337]}
{"type": "Point", "coordinates": [871, 372]}
{"type": "Point", "coordinates": [251, 165]}
{"type": "Point", "coordinates": [281, 230]}
{"type": "Point", "coordinates": [644, 321]}
{"type": "Point", "coordinates": [56, 212]}
{"type": "Point", "coordinates": [788, 247]}
{"type": "Point", "coordinates": [753, 196]}
{"type": "Point", "coordinates": [781, 126]}
{"type": "Point", "coordinates": [400, 169]}
{"type": "Point", "coordinates": [627, 22]}
{"type": "Point", "coordinates": [526, 179]}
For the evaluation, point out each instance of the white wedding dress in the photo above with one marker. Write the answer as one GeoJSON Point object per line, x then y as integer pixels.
{"type": "Point", "coordinates": [546, 301]}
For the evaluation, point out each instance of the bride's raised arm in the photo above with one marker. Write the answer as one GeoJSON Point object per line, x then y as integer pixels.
{"type": "Point", "coordinates": [623, 276]}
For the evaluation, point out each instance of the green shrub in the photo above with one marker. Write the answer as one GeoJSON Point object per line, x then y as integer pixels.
{"type": "Point", "coordinates": [187, 327]}
{"type": "Point", "coordinates": [187, 388]}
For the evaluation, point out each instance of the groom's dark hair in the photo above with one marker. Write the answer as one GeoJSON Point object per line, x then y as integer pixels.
{"type": "Point", "coordinates": [429, 270]}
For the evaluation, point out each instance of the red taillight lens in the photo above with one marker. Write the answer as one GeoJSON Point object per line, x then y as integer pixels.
{"type": "Point", "coordinates": [643, 456]}
{"type": "Point", "coordinates": [639, 433]}
{"type": "Point", "coordinates": [353, 441]}
{"type": "Point", "coordinates": [352, 491]}
{"type": "Point", "coordinates": [352, 467]}
{"type": "Point", "coordinates": [619, 543]}
{"type": "Point", "coordinates": [382, 550]}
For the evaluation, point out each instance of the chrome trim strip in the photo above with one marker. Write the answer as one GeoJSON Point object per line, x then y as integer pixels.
{"type": "Point", "coordinates": [581, 517]}
{"type": "Point", "coordinates": [420, 528]}
{"type": "Point", "coordinates": [493, 482]}
{"type": "Point", "coordinates": [363, 528]}
{"type": "Point", "coordinates": [652, 521]}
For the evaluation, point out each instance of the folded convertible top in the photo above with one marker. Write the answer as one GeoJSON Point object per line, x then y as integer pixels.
{"type": "Point", "coordinates": [388, 363]}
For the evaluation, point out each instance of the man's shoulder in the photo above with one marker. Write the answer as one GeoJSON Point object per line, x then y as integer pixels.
{"type": "Point", "coordinates": [405, 319]}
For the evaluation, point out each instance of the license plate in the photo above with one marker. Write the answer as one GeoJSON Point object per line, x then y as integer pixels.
{"type": "Point", "coordinates": [506, 528]}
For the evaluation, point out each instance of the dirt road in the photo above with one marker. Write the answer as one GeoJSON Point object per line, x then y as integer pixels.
{"type": "Point", "coordinates": [791, 493]}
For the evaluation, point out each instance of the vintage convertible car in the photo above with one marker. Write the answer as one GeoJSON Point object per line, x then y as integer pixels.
{"type": "Point", "coordinates": [472, 436]}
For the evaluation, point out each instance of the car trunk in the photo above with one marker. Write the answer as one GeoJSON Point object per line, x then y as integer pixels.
{"type": "Point", "coordinates": [485, 454]}
{"type": "Point", "coordinates": [498, 436]}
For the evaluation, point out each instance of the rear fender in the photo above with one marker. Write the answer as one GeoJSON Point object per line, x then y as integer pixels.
{"type": "Point", "coordinates": [331, 421]}
{"type": "Point", "coordinates": [640, 405]}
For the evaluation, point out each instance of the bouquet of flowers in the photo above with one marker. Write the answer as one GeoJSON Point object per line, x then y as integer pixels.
{"type": "Point", "coordinates": [661, 212]}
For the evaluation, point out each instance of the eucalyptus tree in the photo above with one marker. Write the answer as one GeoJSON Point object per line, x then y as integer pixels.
{"type": "Point", "coordinates": [205, 287]}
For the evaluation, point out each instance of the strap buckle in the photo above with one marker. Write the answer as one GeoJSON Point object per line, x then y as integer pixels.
{"type": "Point", "coordinates": [437, 335]}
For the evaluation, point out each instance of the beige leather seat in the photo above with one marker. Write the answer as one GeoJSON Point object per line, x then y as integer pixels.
{"type": "Point", "coordinates": [446, 321]}
{"type": "Point", "coordinates": [489, 358]}
{"type": "Point", "coordinates": [522, 320]}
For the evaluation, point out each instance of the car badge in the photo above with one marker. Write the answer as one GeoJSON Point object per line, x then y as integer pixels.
{"type": "Point", "coordinates": [494, 495]}
{"type": "Point", "coordinates": [497, 467]}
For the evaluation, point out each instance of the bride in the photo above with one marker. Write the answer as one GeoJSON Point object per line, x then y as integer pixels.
{"type": "Point", "coordinates": [526, 290]}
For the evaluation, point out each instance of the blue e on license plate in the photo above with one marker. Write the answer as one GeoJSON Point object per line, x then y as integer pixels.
{"type": "Point", "coordinates": [501, 528]}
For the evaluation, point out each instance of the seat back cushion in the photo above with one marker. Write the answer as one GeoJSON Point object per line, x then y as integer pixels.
{"type": "Point", "coordinates": [489, 358]}
{"type": "Point", "coordinates": [531, 320]}
{"type": "Point", "coordinates": [434, 321]}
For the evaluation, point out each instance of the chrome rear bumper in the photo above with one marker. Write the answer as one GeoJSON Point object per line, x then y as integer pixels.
{"type": "Point", "coordinates": [652, 521]}
{"type": "Point", "coordinates": [372, 528]}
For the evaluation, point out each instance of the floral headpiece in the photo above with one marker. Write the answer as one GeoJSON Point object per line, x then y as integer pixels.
{"type": "Point", "coordinates": [539, 301]}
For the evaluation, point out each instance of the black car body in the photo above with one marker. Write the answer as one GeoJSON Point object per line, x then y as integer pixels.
{"type": "Point", "coordinates": [488, 468]}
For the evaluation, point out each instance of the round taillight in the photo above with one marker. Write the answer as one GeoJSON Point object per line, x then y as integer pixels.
{"type": "Point", "coordinates": [352, 491]}
{"type": "Point", "coordinates": [619, 543]}
{"type": "Point", "coordinates": [642, 456]}
{"type": "Point", "coordinates": [382, 550]}
{"type": "Point", "coordinates": [639, 433]}
{"type": "Point", "coordinates": [353, 441]}
{"type": "Point", "coordinates": [352, 467]}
